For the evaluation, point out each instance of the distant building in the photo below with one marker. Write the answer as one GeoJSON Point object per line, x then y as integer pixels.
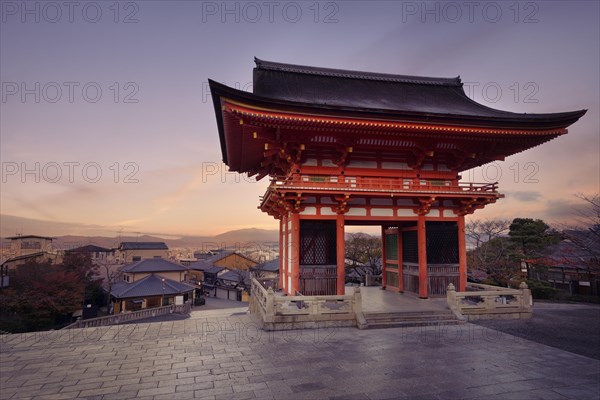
{"type": "Point", "coordinates": [27, 248]}
{"type": "Point", "coordinates": [267, 273]}
{"type": "Point", "coordinates": [222, 259]}
{"type": "Point", "coordinates": [231, 260]}
{"type": "Point", "coordinates": [99, 255]}
{"type": "Point", "coordinates": [234, 267]}
{"type": "Point", "coordinates": [569, 267]}
{"type": "Point", "coordinates": [151, 291]}
{"type": "Point", "coordinates": [233, 285]}
{"type": "Point", "coordinates": [151, 283]}
{"type": "Point", "coordinates": [22, 245]}
{"type": "Point", "coordinates": [167, 269]}
{"type": "Point", "coordinates": [136, 251]}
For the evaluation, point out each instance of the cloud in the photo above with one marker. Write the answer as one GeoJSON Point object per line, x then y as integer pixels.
{"type": "Point", "coordinates": [525, 196]}
{"type": "Point", "coordinates": [564, 210]}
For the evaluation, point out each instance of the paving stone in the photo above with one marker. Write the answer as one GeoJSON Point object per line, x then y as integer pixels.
{"type": "Point", "coordinates": [169, 362]}
{"type": "Point", "coordinates": [156, 391]}
{"type": "Point", "coordinates": [98, 392]}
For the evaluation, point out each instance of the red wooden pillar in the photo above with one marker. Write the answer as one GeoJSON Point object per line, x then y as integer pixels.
{"type": "Point", "coordinates": [383, 258]}
{"type": "Point", "coordinates": [294, 253]}
{"type": "Point", "coordinates": [282, 263]}
{"type": "Point", "coordinates": [341, 255]}
{"type": "Point", "coordinates": [422, 247]}
{"type": "Point", "coordinates": [400, 274]}
{"type": "Point", "coordinates": [462, 255]}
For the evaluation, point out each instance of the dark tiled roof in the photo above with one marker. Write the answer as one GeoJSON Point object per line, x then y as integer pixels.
{"type": "Point", "coordinates": [299, 89]}
{"type": "Point", "coordinates": [214, 269]}
{"type": "Point", "coordinates": [26, 256]}
{"type": "Point", "coordinates": [202, 265]}
{"type": "Point", "coordinates": [90, 248]}
{"type": "Point", "coordinates": [143, 246]}
{"type": "Point", "coordinates": [271, 266]}
{"type": "Point", "coordinates": [151, 285]}
{"type": "Point", "coordinates": [219, 256]}
{"type": "Point", "coordinates": [30, 237]}
{"type": "Point", "coordinates": [154, 265]}
{"type": "Point", "coordinates": [235, 276]}
{"type": "Point", "coordinates": [374, 91]}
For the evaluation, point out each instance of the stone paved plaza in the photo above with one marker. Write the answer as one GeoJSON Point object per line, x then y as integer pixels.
{"type": "Point", "coordinates": [218, 356]}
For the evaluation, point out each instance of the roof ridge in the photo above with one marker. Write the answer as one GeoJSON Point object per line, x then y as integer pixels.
{"type": "Point", "coordinates": [135, 284]}
{"type": "Point", "coordinates": [352, 74]}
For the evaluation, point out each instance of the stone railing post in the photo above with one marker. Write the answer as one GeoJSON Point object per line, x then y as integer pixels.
{"type": "Point", "coordinates": [526, 300]}
{"type": "Point", "coordinates": [357, 300]}
{"type": "Point", "coordinates": [270, 306]}
{"type": "Point", "coordinates": [451, 296]}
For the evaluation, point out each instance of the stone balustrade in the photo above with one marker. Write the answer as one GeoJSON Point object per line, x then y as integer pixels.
{"type": "Point", "coordinates": [490, 302]}
{"type": "Point", "coordinates": [131, 316]}
{"type": "Point", "coordinates": [278, 312]}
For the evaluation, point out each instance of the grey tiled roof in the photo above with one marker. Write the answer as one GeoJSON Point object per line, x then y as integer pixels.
{"type": "Point", "coordinates": [90, 248]}
{"type": "Point", "coordinates": [154, 265]}
{"type": "Point", "coordinates": [214, 269]}
{"type": "Point", "coordinates": [151, 285]}
{"type": "Point", "coordinates": [235, 276]}
{"type": "Point", "coordinates": [143, 246]}
{"type": "Point", "coordinates": [271, 266]}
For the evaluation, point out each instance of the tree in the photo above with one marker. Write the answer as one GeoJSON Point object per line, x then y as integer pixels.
{"type": "Point", "coordinates": [587, 219]}
{"type": "Point", "coordinates": [584, 235]}
{"type": "Point", "coordinates": [364, 252]}
{"type": "Point", "coordinates": [87, 273]}
{"type": "Point", "coordinates": [531, 237]}
{"type": "Point", "coordinates": [40, 296]}
{"type": "Point", "coordinates": [111, 275]}
{"type": "Point", "coordinates": [482, 232]}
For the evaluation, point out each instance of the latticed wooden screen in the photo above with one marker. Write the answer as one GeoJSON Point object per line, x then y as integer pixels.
{"type": "Point", "coordinates": [317, 243]}
{"type": "Point", "coordinates": [442, 242]}
{"type": "Point", "coordinates": [410, 249]}
{"type": "Point", "coordinates": [391, 246]}
{"type": "Point", "coordinates": [392, 278]}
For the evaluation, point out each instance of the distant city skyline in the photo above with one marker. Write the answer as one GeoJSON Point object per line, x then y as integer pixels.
{"type": "Point", "coordinates": [106, 121]}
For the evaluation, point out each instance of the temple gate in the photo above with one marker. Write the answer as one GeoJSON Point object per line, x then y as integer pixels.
{"type": "Point", "coordinates": [359, 148]}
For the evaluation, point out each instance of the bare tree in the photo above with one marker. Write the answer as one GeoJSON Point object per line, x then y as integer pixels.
{"type": "Point", "coordinates": [584, 233]}
{"type": "Point", "coordinates": [364, 252]}
{"type": "Point", "coordinates": [482, 232]}
{"type": "Point", "coordinates": [111, 274]}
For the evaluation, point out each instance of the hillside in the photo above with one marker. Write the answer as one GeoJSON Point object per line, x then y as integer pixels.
{"type": "Point", "coordinates": [234, 238]}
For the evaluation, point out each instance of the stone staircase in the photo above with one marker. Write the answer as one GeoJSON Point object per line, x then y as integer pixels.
{"type": "Point", "coordinates": [379, 320]}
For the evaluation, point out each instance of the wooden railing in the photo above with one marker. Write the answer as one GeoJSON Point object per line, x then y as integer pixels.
{"type": "Point", "coordinates": [486, 302]}
{"type": "Point", "coordinates": [318, 280]}
{"type": "Point", "coordinates": [287, 312]}
{"type": "Point", "coordinates": [381, 184]}
{"type": "Point", "coordinates": [130, 316]}
{"type": "Point", "coordinates": [439, 276]}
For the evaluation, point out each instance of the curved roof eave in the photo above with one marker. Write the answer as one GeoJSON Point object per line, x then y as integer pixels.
{"type": "Point", "coordinates": [502, 119]}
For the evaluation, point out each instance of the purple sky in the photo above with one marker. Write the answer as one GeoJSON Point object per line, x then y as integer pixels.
{"type": "Point", "coordinates": [152, 135]}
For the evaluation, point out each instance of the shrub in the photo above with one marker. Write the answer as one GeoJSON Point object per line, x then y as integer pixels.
{"type": "Point", "coordinates": [541, 290]}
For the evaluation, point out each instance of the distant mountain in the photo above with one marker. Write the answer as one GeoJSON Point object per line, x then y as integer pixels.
{"type": "Point", "coordinates": [109, 237]}
{"type": "Point", "coordinates": [249, 235]}
{"type": "Point", "coordinates": [232, 239]}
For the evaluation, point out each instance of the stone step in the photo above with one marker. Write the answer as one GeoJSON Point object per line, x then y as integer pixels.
{"type": "Point", "coordinates": [378, 320]}
{"type": "Point", "coordinates": [409, 324]}
{"type": "Point", "coordinates": [432, 318]}
{"type": "Point", "coordinates": [409, 314]}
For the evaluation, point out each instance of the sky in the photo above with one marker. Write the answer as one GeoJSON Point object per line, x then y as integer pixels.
{"type": "Point", "coordinates": [107, 126]}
